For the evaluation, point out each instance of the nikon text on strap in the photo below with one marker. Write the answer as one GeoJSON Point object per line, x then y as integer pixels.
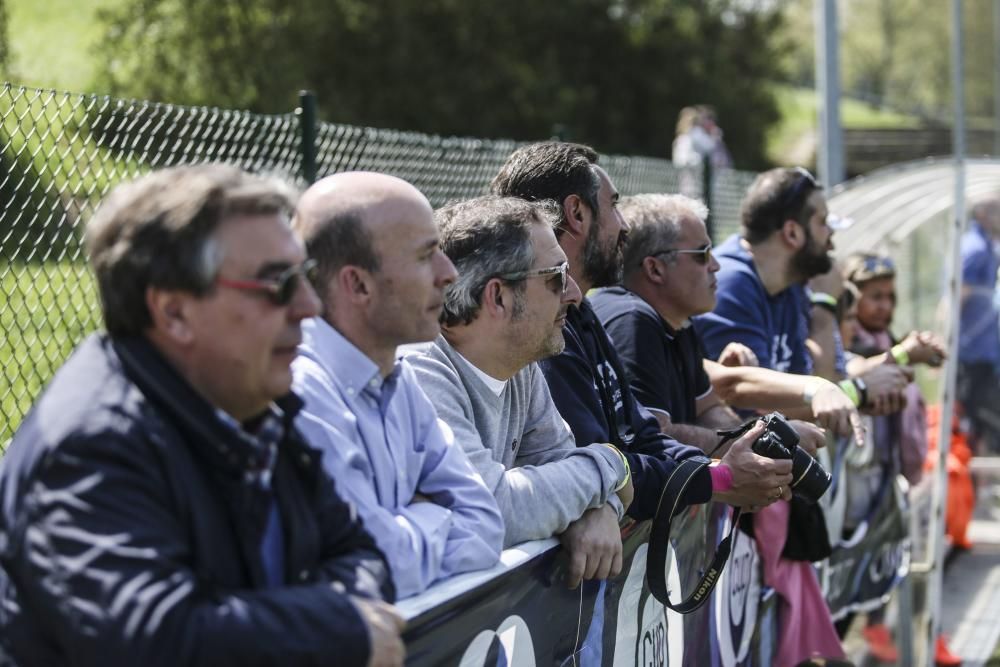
{"type": "Point", "coordinates": [659, 541]}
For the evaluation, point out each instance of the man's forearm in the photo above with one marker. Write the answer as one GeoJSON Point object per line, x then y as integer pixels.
{"type": "Point", "coordinates": [753, 388]}
{"type": "Point", "coordinates": [703, 438]}
{"type": "Point", "coordinates": [822, 324]}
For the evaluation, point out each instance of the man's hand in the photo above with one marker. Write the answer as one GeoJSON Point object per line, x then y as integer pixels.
{"type": "Point", "coordinates": [626, 494]}
{"type": "Point", "coordinates": [924, 347]}
{"type": "Point", "coordinates": [757, 480]}
{"type": "Point", "coordinates": [384, 627]}
{"type": "Point", "coordinates": [834, 411]}
{"type": "Point", "coordinates": [885, 385]}
{"type": "Point", "coordinates": [738, 354]}
{"type": "Point", "coordinates": [811, 437]}
{"type": "Point", "coordinates": [594, 545]}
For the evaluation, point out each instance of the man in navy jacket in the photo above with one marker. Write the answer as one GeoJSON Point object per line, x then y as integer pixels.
{"type": "Point", "coordinates": [587, 380]}
{"type": "Point", "coordinates": [158, 505]}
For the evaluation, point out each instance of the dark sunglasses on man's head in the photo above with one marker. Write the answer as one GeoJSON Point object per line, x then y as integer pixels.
{"type": "Point", "coordinates": [702, 255]}
{"type": "Point", "coordinates": [279, 290]}
{"type": "Point", "coordinates": [802, 179]}
{"type": "Point", "coordinates": [561, 270]}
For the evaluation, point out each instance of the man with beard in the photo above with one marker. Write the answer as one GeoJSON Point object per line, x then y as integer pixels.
{"type": "Point", "coordinates": [586, 379]}
{"type": "Point", "coordinates": [762, 303]}
{"type": "Point", "coordinates": [381, 279]}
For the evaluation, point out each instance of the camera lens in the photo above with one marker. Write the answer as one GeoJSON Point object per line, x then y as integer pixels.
{"type": "Point", "coordinates": [810, 480]}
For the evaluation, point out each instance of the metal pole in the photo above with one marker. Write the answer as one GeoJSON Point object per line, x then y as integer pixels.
{"type": "Point", "coordinates": [996, 78]}
{"type": "Point", "coordinates": [947, 395]}
{"type": "Point", "coordinates": [307, 125]}
{"type": "Point", "coordinates": [707, 173]}
{"type": "Point", "coordinates": [830, 158]}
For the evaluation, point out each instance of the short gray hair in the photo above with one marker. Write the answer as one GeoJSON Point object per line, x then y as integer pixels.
{"type": "Point", "coordinates": [655, 224]}
{"type": "Point", "coordinates": [485, 238]}
{"type": "Point", "coordinates": [159, 231]}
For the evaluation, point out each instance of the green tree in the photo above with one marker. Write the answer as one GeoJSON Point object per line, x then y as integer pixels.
{"type": "Point", "coordinates": [613, 73]}
{"type": "Point", "coordinates": [897, 53]}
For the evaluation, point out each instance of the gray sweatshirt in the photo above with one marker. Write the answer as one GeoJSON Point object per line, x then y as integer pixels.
{"type": "Point", "coordinates": [519, 443]}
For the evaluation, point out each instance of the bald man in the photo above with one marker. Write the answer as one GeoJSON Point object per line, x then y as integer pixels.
{"type": "Point", "coordinates": [380, 275]}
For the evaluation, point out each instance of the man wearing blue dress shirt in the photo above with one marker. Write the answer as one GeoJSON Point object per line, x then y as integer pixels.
{"type": "Point", "coordinates": [381, 277]}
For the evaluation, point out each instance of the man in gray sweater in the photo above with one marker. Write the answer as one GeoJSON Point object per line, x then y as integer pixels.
{"type": "Point", "coordinates": [504, 312]}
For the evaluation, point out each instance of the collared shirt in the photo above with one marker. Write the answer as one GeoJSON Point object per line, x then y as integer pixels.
{"type": "Point", "coordinates": [383, 443]}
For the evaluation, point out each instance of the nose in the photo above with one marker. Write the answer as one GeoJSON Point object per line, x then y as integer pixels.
{"type": "Point", "coordinates": [306, 302]}
{"type": "Point", "coordinates": [444, 270]}
{"type": "Point", "coordinates": [713, 263]}
{"type": "Point", "coordinates": [572, 295]}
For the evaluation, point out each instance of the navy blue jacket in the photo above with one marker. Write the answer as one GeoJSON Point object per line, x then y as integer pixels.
{"type": "Point", "coordinates": [129, 536]}
{"type": "Point", "coordinates": [589, 387]}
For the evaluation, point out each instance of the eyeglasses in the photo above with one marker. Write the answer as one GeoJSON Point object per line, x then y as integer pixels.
{"type": "Point", "coordinates": [803, 178]}
{"type": "Point", "coordinates": [279, 290]}
{"type": "Point", "coordinates": [561, 270]}
{"type": "Point", "coordinates": [702, 255]}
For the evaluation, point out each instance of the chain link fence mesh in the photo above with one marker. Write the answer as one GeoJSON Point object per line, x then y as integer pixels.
{"type": "Point", "coordinates": [60, 154]}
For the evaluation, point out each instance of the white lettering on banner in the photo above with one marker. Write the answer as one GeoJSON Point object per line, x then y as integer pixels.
{"type": "Point", "coordinates": [736, 599]}
{"type": "Point", "coordinates": [886, 562]}
{"type": "Point", "coordinates": [781, 354]}
{"type": "Point", "coordinates": [512, 640]}
{"type": "Point", "coordinates": [646, 638]}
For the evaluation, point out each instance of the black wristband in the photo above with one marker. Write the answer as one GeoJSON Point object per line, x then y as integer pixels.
{"type": "Point", "coordinates": [829, 307]}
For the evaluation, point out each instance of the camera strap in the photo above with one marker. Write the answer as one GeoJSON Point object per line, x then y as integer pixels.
{"type": "Point", "coordinates": [659, 541]}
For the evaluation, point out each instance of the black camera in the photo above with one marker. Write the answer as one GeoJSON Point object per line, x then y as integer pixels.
{"type": "Point", "coordinates": [780, 441]}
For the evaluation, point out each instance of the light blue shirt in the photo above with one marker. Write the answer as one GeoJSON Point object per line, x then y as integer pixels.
{"type": "Point", "coordinates": [382, 443]}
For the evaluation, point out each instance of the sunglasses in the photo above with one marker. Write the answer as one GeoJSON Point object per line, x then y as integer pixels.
{"type": "Point", "coordinates": [702, 255]}
{"type": "Point", "coordinates": [279, 290]}
{"type": "Point", "coordinates": [562, 271]}
{"type": "Point", "coordinates": [802, 179]}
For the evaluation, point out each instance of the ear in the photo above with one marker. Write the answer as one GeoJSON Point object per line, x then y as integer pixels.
{"type": "Point", "coordinates": [574, 210]}
{"type": "Point", "coordinates": [653, 271]}
{"type": "Point", "coordinates": [169, 311]}
{"type": "Point", "coordinates": [354, 283]}
{"type": "Point", "coordinates": [793, 234]}
{"type": "Point", "coordinates": [494, 302]}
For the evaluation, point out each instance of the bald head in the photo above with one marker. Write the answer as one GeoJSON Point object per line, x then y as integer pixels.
{"type": "Point", "coordinates": [348, 218]}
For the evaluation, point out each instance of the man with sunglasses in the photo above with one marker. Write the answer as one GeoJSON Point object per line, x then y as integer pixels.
{"type": "Point", "coordinates": [587, 380]}
{"type": "Point", "coordinates": [506, 311]}
{"type": "Point", "coordinates": [670, 278]}
{"type": "Point", "coordinates": [160, 507]}
{"type": "Point", "coordinates": [381, 279]}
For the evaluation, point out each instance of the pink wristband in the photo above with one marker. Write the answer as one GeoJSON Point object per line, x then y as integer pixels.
{"type": "Point", "coordinates": [722, 478]}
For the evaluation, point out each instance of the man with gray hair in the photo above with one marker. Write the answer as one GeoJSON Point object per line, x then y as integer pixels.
{"type": "Point", "coordinates": [159, 505]}
{"type": "Point", "coordinates": [382, 277]}
{"type": "Point", "coordinates": [669, 277]}
{"type": "Point", "coordinates": [504, 312]}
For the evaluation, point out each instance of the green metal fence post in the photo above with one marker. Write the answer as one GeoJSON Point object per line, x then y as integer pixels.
{"type": "Point", "coordinates": [307, 123]}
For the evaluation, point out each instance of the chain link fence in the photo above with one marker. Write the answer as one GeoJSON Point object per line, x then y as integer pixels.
{"type": "Point", "coordinates": [60, 154]}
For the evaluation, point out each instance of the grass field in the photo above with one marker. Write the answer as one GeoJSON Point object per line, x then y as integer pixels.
{"type": "Point", "coordinates": [47, 309]}
{"type": "Point", "coordinates": [798, 109]}
{"type": "Point", "coordinates": [53, 42]}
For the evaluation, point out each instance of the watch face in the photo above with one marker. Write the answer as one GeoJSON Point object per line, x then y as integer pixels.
{"type": "Point", "coordinates": [700, 459]}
